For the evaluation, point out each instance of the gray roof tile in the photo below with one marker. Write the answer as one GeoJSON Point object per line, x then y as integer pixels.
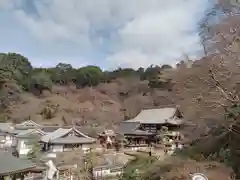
{"type": "Point", "coordinates": [73, 140]}
{"type": "Point", "coordinates": [127, 127]}
{"type": "Point", "coordinates": [157, 116]}
{"type": "Point", "coordinates": [58, 136]}
{"type": "Point", "coordinates": [54, 135]}
{"type": "Point", "coordinates": [13, 164]}
{"type": "Point", "coordinates": [6, 127]}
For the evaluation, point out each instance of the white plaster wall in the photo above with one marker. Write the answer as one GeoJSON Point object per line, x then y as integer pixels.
{"type": "Point", "coordinates": [57, 148]}
{"type": "Point", "coordinates": [180, 146]}
{"type": "Point", "coordinates": [68, 149]}
{"type": "Point", "coordinates": [105, 172]}
{"type": "Point", "coordinates": [51, 155]}
{"type": "Point", "coordinates": [99, 173]}
{"type": "Point", "coordinates": [22, 148]}
{"type": "Point", "coordinates": [8, 141]}
{"type": "Point", "coordinates": [86, 148]}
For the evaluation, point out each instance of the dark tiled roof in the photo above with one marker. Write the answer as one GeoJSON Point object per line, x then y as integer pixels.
{"type": "Point", "coordinates": [10, 164]}
{"type": "Point", "coordinates": [128, 127]}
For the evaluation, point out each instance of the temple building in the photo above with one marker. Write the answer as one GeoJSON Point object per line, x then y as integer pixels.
{"type": "Point", "coordinates": [144, 129]}
{"type": "Point", "coordinates": [62, 140]}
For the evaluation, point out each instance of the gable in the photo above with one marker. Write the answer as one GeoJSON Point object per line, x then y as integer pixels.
{"type": "Point", "coordinates": [37, 132]}
{"type": "Point", "coordinates": [61, 133]}
{"type": "Point", "coordinates": [29, 123]}
{"type": "Point", "coordinates": [178, 114]}
{"type": "Point", "coordinates": [75, 132]}
{"type": "Point", "coordinates": [31, 133]}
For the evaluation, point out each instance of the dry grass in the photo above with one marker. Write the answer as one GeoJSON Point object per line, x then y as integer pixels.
{"type": "Point", "coordinates": [180, 169]}
{"type": "Point", "coordinates": [105, 105]}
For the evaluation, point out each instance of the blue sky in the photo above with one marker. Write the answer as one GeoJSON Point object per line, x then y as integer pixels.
{"type": "Point", "coordinates": [108, 33]}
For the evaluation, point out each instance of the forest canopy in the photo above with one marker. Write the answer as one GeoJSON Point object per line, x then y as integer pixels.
{"type": "Point", "coordinates": [18, 68]}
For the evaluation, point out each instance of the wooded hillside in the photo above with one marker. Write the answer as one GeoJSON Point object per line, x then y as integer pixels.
{"type": "Point", "coordinates": [87, 95]}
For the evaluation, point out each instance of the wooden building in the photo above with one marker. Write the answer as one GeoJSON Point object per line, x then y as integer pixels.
{"type": "Point", "coordinates": [107, 138]}
{"type": "Point", "coordinates": [134, 135]}
{"type": "Point", "coordinates": [63, 140]}
{"type": "Point", "coordinates": [152, 120]}
{"type": "Point", "coordinates": [144, 129]}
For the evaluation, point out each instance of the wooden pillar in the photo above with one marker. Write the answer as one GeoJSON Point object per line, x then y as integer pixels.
{"type": "Point", "coordinates": [57, 175]}
{"type": "Point", "coordinates": [21, 176]}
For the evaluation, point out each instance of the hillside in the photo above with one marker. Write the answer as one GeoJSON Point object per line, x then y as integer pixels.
{"type": "Point", "coordinates": [85, 96]}
{"type": "Point", "coordinates": [104, 105]}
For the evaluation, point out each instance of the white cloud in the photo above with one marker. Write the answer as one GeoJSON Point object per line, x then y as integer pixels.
{"type": "Point", "coordinates": [53, 61]}
{"type": "Point", "coordinates": [143, 32]}
{"type": "Point", "coordinates": [131, 58]}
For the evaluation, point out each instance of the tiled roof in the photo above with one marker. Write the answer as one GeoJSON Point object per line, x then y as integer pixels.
{"type": "Point", "coordinates": [54, 135]}
{"type": "Point", "coordinates": [29, 133]}
{"type": "Point", "coordinates": [128, 127]}
{"type": "Point", "coordinates": [6, 127]}
{"type": "Point", "coordinates": [11, 164]}
{"type": "Point", "coordinates": [157, 116]}
{"type": "Point", "coordinates": [58, 137]}
{"type": "Point", "coordinates": [73, 140]}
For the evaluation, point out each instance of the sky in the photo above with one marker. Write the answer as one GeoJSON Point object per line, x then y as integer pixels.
{"type": "Point", "coordinates": [107, 33]}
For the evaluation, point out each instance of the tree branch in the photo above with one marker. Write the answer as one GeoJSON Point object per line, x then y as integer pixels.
{"type": "Point", "coordinates": [228, 95]}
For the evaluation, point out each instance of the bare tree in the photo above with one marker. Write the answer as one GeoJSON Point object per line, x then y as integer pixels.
{"type": "Point", "coordinates": [209, 91]}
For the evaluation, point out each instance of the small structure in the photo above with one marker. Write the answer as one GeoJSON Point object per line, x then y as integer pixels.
{"type": "Point", "coordinates": [63, 140]}
{"type": "Point", "coordinates": [172, 141]}
{"type": "Point", "coordinates": [27, 139]}
{"type": "Point", "coordinates": [107, 138]}
{"type": "Point", "coordinates": [107, 171]}
{"type": "Point", "coordinates": [109, 166]}
{"type": "Point", "coordinates": [13, 168]}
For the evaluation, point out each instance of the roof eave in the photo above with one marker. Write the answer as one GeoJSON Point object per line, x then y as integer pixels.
{"type": "Point", "coordinates": [17, 171]}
